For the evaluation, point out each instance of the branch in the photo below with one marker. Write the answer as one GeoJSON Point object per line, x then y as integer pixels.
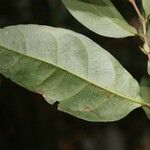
{"type": "Point", "coordinates": [143, 22]}
{"type": "Point", "coordinates": [137, 10]}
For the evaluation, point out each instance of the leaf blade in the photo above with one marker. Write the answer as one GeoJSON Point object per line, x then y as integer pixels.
{"type": "Point", "coordinates": [67, 67]}
{"type": "Point", "coordinates": [145, 92]}
{"type": "Point", "coordinates": [101, 17]}
{"type": "Point", "coordinates": [146, 6]}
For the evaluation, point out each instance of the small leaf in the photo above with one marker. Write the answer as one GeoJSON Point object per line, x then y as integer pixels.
{"type": "Point", "coordinates": [145, 92]}
{"type": "Point", "coordinates": [69, 68]}
{"type": "Point", "coordinates": [146, 6]}
{"type": "Point", "coordinates": [101, 17]}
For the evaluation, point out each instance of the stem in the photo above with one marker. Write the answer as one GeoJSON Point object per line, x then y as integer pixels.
{"type": "Point", "coordinates": [136, 9]}
{"type": "Point", "coordinates": [143, 22]}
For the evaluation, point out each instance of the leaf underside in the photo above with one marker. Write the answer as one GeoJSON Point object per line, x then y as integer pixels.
{"type": "Point", "coordinates": [145, 92]}
{"type": "Point", "coordinates": [101, 17]}
{"type": "Point", "coordinates": [67, 67]}
{"type": "Point", "coordinates": [146, 6]}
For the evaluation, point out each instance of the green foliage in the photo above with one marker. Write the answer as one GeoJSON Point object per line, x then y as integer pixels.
{"type": "Point", "coordinates": [145, 92]}
{"type": "Point", "coordinates": [101, 17]}
{"type": "Point", "coordinates": [146, 6]}
{"type": "Point", "coordinates": [148, 67]}
{"type": "Point", "coordinates": [67, 67]}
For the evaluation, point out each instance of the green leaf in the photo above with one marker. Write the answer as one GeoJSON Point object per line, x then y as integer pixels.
{"type": "Point", "coordinates": [69, 68]}
{"type": "Point", "coordinates": [146, 6]}
{"type": "Point", "coordinates": [148, 32]}
{"type": "Point", "coordinates": [145, 92]}
{"type": "Point", "coordinates": [148, 67]}
{"type": "Point", "coordinates": [100, 16]}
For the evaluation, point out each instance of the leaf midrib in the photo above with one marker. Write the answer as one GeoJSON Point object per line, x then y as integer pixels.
{"type": "Point", "coordinates": [137, 101]}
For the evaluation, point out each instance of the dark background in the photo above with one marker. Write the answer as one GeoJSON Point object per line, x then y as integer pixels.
{"type": "Point", "coordinates": [28, 122]}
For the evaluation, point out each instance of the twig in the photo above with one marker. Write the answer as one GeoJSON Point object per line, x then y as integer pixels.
{"type": "Point", "coordinates": [143, 22]}
{"type": "Point", "coordinates": [136, 9]}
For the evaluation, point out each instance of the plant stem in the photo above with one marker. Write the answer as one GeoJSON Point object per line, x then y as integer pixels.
{"type": "Point", "coordinates": [136, 9]}
{"type": "Point", "coordinates": [143, 22]}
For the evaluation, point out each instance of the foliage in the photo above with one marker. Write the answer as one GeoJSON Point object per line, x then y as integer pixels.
{"type": "Point", "coordinates": [100, 16]}
{"type": "Point", "coordinates": [69, 68]}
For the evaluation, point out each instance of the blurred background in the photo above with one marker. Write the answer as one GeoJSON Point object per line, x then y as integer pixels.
{"type": "Point", "coordinates": [28, 122]}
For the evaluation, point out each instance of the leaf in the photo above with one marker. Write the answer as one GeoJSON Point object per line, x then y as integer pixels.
{"type": "Point", "coordinates": [148, 32]}
{"type": "Point", "coordinates": [69, 68]}
{"type": "Point", "coordinates": [148, 67]}
{"type": "Point", "coordinates": [145, 92]}
{"type": "Point", "coordinates": [146, 6]}
{"type": "Point", "coordinates": [101, 17]}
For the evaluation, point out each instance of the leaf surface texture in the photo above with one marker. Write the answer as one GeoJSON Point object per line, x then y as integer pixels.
{"type": "Point", "coordinates": [69, 68]}
{"type": "Point", "coordinates": [100, 16]}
